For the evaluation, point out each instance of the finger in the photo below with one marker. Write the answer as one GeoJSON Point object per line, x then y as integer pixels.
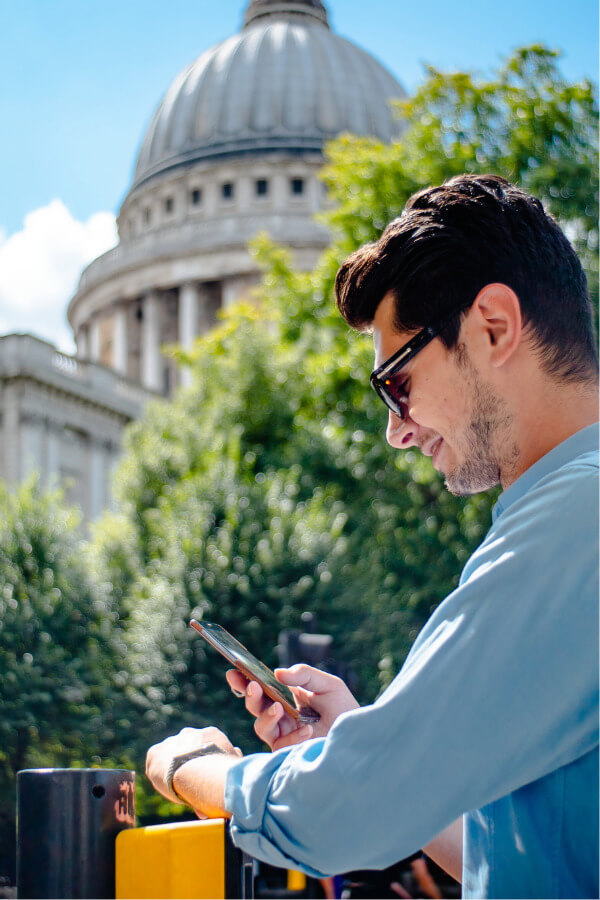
{"type": "Point", "coordinates": [256, 702]}
{"type": "Point", "coordinates": [287, 724]}
{"type": "Point", "coordinates": [302, 696]}
{"type": "Point", "coordinates": [237, 682]}
{"type": "Point", "coordinates": [307, 677]}
{"type": "Point", "coordinates": [294, 737]}
{"type": "Point", "coordinates": [267, 724]}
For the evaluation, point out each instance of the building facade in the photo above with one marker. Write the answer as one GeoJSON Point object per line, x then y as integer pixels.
{"type": "Point", "coordinates": [62, 418]}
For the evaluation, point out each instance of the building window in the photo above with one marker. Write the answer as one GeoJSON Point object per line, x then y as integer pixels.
{"type": "Point", "coordinates": [261, 187]}
{"type": "Point", "coordinates": [297, 186]}
{"type": "Point", "coordinates": [147, 215]}
{"type": "Point", "coordinates": [169, 204]}
{"type": "Point", "coordinates": [227, 190]}
{"type": "Point", "coordinates": [196, 197]}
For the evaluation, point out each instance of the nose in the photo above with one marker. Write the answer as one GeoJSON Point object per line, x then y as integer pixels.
{"type": "Point", "coordinates": [401, 433]}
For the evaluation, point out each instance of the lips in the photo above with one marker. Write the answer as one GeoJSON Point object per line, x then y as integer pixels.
{"type": "Point", "coordinates": [436, 451]}
{"type": "Point", "coordinates": [428, 449]}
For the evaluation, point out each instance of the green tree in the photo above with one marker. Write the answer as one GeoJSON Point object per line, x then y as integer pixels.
{"type": "Point", "coordinates": [524, 122]}
{"type": "Point", "coordinates": [58, 647]}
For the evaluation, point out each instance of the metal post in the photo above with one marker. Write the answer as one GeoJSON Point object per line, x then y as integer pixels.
{"type": "Point", "coordinates": [239, 871]}
{"type": "Point", "coordinates": [67, 822]}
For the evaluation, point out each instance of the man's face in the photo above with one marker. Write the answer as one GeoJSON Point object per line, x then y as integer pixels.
{"type": "Point", "coordinates": [453, 415]}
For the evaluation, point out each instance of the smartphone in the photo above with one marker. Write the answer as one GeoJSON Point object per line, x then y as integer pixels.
{"type": "Point", "coordinates": [253, 669]}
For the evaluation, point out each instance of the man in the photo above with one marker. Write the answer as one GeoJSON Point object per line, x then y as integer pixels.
{"type": "Point", "coordinates": [486, 359]}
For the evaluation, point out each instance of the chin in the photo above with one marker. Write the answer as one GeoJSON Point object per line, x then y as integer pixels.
{"type": "Point", "coordinates": [465, 480]}
{"type": "Point", "coordinates": [458, 488]}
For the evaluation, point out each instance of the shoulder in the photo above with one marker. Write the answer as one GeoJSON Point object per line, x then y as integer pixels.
{"type": "Point", "coordinates": [565, 496]}
{"type": "Point", "coordinates": [552, 527]}
{"type": "Point", "coordinates": [570, 489]}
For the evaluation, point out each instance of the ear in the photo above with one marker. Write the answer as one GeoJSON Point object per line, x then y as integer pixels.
{"type": "Point", "coordinates": [497, 313]}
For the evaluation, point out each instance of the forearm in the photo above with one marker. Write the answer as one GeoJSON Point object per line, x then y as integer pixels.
{"type": "Point", "coordinates": [446, 849]}
{"type": "Point", "coordinates": [201, 783]}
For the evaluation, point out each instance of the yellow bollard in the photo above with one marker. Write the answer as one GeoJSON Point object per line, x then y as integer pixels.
{"type": "Point", "coordinates": [296, 881]}
{"type": "Point", "coordinates": [183, 859]}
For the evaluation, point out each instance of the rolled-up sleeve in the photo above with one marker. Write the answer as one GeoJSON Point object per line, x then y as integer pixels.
{"type": "Point", "coordinates": [499, 689]}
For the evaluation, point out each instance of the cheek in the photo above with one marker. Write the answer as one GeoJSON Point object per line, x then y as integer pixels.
{"type": "Point", "coordinates": [433, 402]}
{"type": "Point", "coordinates": [452, 398]}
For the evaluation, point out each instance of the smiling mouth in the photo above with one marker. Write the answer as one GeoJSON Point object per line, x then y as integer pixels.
{"type": "Point", "coordinates": [436, 451]}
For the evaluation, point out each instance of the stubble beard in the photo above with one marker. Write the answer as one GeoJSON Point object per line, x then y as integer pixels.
{"type": "Point", "coordinates": [488, 450]}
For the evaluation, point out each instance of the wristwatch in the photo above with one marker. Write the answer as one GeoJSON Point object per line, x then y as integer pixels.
{"type": "Point", "coordinates": [177, 761]}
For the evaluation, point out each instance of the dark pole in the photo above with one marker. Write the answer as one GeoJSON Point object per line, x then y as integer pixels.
{"type": "Point", "coordinates": [239, 871]}
{"type": "Point", "coordinates": [67, 822]}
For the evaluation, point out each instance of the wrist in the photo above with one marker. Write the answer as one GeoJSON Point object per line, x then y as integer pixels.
{"type": "Point", "coordinates": [177, 763]}
{"type": "Point", "coordinates": [200, 783]}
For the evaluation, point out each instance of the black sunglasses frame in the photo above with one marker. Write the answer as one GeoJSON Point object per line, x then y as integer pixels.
{"type": "Point", "coordinates": [380, 377]}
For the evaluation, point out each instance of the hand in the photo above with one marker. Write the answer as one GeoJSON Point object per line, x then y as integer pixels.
{"type": "Point", "coordinates": [327, 694]}
{"type": "Point", "coordinates": [159, 756]}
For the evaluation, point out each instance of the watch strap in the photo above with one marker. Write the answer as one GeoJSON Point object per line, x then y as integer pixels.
{"type": "Point", "coordinates": [178, 761]}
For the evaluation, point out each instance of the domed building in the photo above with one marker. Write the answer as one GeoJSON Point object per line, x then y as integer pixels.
{"type": "Point", "coordinates": [234, 148]}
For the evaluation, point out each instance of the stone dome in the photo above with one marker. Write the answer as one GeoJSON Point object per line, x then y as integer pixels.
{"type": "Point", "coordinates": [285, 83]}
{"type": "Point", "coordinates": [235, 148]}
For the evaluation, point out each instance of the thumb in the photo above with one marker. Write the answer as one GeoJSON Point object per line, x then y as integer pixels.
{"type": "Point", "coordinates": [301, 675]}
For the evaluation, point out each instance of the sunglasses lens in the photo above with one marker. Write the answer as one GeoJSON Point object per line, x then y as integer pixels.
{"type": "Point", "coordinates": [393, 396]}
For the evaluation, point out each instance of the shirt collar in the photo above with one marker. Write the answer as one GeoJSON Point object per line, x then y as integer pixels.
{"type": "Point", "coordinates": [584, 441]}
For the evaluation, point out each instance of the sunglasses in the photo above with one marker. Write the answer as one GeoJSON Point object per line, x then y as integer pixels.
{"type": "Point", "coordinates": [388, 379]}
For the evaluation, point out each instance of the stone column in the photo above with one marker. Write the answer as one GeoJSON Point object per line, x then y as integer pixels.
{"type": "Point", "coordinates": [32, 458]}
{"type": "Point", "coordinates": [231, 293]}
{"type": "Point", "coordinates": [187, 324]}
{"type": "Point", "coordinates": [188, 314]}
{"type": "Point", "coordinates": [94, 345]}
{"type": "Point", "coordinates": [96, 489]}
{"type": "Point", "coordinates": [316, 192]}
{"type": "Point", "coordinates": [51, 451]}
{"type": "Point", "coordinates": [211, 197]}
{"type": "Point", "coordinates": [120, 340]}
{"type": "Point", "coordinates": [280, 191]}
{"type": "Point", "coordinates": [111, 461]}
{"type": "Point", "coordinates": [151, 368]}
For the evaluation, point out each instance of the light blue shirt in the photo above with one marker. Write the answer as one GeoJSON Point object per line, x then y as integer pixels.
{"type": "Point", "coordinates": [494, 714]}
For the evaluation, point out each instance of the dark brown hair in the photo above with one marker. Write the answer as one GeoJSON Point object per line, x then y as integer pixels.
{"type": "Point", "coordinates": [451, 241]}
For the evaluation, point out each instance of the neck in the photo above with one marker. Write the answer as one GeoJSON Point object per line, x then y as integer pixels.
{"type": "Point", "coordinates": [550, 417]}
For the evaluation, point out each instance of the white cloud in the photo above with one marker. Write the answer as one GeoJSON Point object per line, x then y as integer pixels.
{"type": "Point", "coordinates": [40, 267]}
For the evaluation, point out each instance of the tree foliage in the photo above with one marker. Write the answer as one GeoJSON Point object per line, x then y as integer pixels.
{"type": "Point", "coordinates": [524, 122]}
{"type": "Point", "coordinates": [58, 647]}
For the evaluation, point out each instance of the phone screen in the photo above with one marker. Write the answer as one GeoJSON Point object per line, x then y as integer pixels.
{"type": "Point", "coordinates": [252, 668]}
{"type": "Point", "coordinates": [238, 653]}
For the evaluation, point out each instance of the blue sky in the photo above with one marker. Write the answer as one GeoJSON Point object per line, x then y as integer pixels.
{"type": "Point", "coordinates": [81, 78]}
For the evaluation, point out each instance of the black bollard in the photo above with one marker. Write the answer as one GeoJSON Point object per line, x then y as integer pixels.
{"type": "Point", "coordinates": [67, 823]}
